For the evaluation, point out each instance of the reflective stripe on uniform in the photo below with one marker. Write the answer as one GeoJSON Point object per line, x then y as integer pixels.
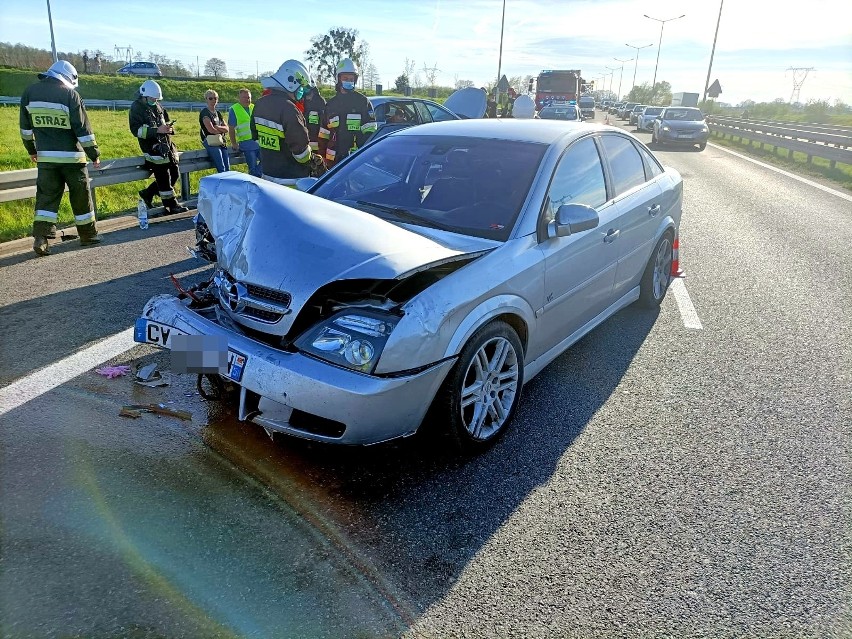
{"type": "Point", "coordinates": [87, 140]}
{"type": "Point", "coordinates": [329, 154]}
{"type": "Point", "coordinates": [142, 133]}
{"type": "Point", "coordinates": [47, 105]}
{"type": "Point", "coordinates": [304, 156]}
{"type": "Point", "coordinates": [86, 218]}
{"type": "Point", "coordinates": [46, 216]}
{"type": "Point", "coordinates": [313, 117]}
{"type": "Point", "coordinates": [62, 157]}
{"type": "Point", "coordinates": [165, 195]}
{"type": "Point", "coordinates": [370, 127]}
{"type": "Point", "coordinates": [269, 124]}
{"type": "Point", "coordinates": [324, 134]}
{"type": "Point", "coordinates": [26, 134]}
{"type": "Point", "coordinates": [156, 159]}
{"type": "Point", "coordinates": [49, 115]}
{"type": "Point", "coordinates": [334, 122]}
{"type": "Point", "coordinates": [314, 146]}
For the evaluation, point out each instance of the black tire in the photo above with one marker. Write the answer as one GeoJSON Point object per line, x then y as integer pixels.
{"type": "Point", "coordinates": [488, 411]}
{"type": "Point", "coordinates": [702, 146]}
{"type": "Point", "coordinates": [658, 273]}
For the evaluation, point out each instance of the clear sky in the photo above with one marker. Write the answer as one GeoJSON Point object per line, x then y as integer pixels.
{"type": "Point", "coordinates": [758, 39]}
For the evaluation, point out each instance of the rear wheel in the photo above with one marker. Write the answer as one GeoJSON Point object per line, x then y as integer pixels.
{"type": "Point", "coordinates": [480, 395]}
{"type": "Point", "coordinates": [658, 274]}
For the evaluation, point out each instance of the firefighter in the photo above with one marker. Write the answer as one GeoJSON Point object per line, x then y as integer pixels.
{"type": "Point", "coordinates": [150, 123]}
{"type": "Point", "coordinates": [279, 127]}
{"type": "Point", "coordinates": [56, 132]}
{"type": "Point", "coordinates": [314, 112]}
{"type": "Point", "coordinates": [349, 118]}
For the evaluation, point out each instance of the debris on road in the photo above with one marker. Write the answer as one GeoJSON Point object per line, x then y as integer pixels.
{"type": "Point", "coordinates": [129, 412]}
{"type": "Point", "coordinates": [149, 376]}
{"type": "Point", "coordinates": [111, 372]}
{"type": "Point", "coordinates": [159, 409]}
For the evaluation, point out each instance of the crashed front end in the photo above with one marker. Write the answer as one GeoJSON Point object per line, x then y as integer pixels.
{"type": "Point", "coordinates": [306, 310]}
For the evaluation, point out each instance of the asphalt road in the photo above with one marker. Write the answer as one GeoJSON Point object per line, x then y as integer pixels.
{"type": "Point", "coordinates": [659, 480]}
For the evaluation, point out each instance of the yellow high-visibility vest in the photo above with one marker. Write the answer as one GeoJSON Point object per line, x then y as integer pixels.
{"type": "Point", "coordinates": [243, 128]}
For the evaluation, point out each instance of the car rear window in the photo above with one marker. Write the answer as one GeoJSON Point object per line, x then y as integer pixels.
{"type": "Point", "coordinates": [466, 185]}
{"type": "Point", "coordinates": [683, 114]}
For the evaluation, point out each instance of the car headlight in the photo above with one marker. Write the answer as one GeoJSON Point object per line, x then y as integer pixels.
{"type": "Point", "coordinates": [704, 129]}
{"type": "Point", "coordinates": [352, 338]}
{"type": "Point", "coordinates": [666, 128]}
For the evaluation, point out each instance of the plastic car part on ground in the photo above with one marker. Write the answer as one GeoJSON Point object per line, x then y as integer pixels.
{"type": "Point", "coordinates": [111, 372]}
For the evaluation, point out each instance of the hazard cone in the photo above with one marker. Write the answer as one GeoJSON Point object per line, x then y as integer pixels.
{"type": "Point", "coordinates": [677, 271]}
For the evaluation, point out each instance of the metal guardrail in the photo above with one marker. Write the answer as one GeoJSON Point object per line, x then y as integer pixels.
{"type": "Point", "coordinates": [21, 184]}
{"type": "Point", "coordinates": [115, 105]}
{"type": "Point", "coordinates": [830, 143]}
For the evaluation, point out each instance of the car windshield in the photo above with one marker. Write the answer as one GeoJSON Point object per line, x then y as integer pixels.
{"type": "Point", "coordinates": [653, 111]}
{"type": "Point", "coordinates": [466, 185]}
{"type": "Point", "coordinates": [683, 114]}
{"type": "Point", "coordinates": [556, 113]}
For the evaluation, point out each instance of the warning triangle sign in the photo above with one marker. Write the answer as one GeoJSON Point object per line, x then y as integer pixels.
{"type": "Point", "coordinates": [715, 89]}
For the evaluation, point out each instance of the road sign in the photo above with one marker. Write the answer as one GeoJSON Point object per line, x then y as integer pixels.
{"type": "Point", "coordinates": [715, 89]}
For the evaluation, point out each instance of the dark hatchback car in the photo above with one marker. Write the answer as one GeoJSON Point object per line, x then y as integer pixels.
{"type": "Point", "coordinates": [681, 126]}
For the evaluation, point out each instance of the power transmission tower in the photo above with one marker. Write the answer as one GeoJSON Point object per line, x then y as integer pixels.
{"type": "Point", "coordinates": [799, 75]}
{"type": "Point", "coordinates": [121, 52]}
{"type": "Point", "coordinates": [431, 73]}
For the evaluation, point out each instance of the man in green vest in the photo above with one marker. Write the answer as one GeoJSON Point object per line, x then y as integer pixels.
{"type": "Point", "coordinates": [239, 126]}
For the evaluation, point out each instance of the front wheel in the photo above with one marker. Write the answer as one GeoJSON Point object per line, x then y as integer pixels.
{"type": "Point", "coordinates": [702, 146]}
{"type": "Point", "coordinates": [658, 274]}
{"type": "Point", "coordinates": [482, 391]}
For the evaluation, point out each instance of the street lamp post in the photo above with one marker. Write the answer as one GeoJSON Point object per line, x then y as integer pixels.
{"type": "Point", "coordinates": [636, 65]}
{"type": "Point", "coordinates": [662, 24]}
{"type": "Point", "coordinates": [621, 73]}
{"type": "Point", "coordinates": [52, 40]}
{"type": "Point", "coordinates": [500, 58]}
{"type": "Point", "coordinates": [713, 51]}
{"type": "Point", "coordinates": [611, 74]}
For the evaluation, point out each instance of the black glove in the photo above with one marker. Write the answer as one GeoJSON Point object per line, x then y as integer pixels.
{"type": "Point", "coordinates": [317, 165]}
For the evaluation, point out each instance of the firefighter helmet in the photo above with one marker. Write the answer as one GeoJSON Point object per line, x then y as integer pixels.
{"type": "Point", "coordinates": [151, 89]}
{"type": "Point", "coordinates": [291, 76]}
{"type": "Point", "coordinates": [63, 71]}
{"type": "Point", "coordinates": [346, 65]}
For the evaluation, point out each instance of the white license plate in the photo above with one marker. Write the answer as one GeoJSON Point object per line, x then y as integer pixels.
{"type": "Point", "coordinates": [236, 365]}
{"type": "Point", "coordinates": [151, 332]}
{"type": "Point", "coordinates": [685, 135]}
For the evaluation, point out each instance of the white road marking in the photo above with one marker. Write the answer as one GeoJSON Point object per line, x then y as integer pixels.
{"type": "Point", "coordinates": [35, 384]}
{"type": "Point", "coordinates": [786, 173]}
{"type": "Point", "coordinates": [684, 305]}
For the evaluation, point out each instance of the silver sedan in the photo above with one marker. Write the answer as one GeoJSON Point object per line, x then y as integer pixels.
{"type": "Point", "coordinates": [440, 268]}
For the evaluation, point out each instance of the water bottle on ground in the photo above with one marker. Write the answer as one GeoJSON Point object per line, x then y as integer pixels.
{"type": "Point", "coordinates": [142, 214]}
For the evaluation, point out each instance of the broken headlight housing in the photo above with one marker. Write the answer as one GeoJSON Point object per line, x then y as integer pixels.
{"type": "Point", "coordinates": [353, 338]}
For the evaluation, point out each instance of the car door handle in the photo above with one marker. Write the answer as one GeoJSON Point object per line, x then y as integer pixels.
{"type": "Point", "coordinates": [611, 235]}
{"type": "Point", "coordinates": [653, 210]}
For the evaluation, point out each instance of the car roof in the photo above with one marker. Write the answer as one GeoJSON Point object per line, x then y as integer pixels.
{"type": "Point", "coordinates": [512, 129]}
{"type": "Point", "coordinates": [381, 99]}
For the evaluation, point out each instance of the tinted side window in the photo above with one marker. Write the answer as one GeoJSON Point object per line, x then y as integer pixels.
{"type": "Point", "coordinates": [579, 178]}
{"type": "Point", "coordinates": [653, 167]}
{"type": "Point", "coordinates": [628, 169]}
{"type": "Point", "coordinates": [423, 112]}
{"type": "Point", "coordinates": [439, 114]}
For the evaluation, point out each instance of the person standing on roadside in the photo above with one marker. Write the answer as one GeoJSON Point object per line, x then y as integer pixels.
{"type": "Point", "coordinates": [239, 128]}
{"type": "Point", "coordinates": [56, 132]}
{"type": "Point", "coordinates": [150, 123]}
{"type": "Point", "coordinates": [85, 61]}
{"type": "Point", "coordinates": [213, 130]}
{"type": "Point", "coordinates": [349, 118]}
{"type": "Point", "coordinates": [279, 127]}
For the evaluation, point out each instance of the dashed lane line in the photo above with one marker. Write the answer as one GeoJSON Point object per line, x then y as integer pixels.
{"type": "Point", "coordinates": [43, 380]}
{"type": "Point", "coordinates": [685, 306]}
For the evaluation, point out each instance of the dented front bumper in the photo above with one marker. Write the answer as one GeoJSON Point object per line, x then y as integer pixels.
{"type": "Point", "coordinates": [306, 397]}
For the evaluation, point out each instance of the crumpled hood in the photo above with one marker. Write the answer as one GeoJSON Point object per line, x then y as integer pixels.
{"type": "Point", "coordinates": [280, 238]}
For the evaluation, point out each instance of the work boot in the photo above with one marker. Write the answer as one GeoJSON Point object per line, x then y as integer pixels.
{"type": "Point", "coordinates": [51, 234]}
{"type": "Point", "coordinates": [148, 199]}
{"type": "Point", "coordinates": [40, 246]}
{"type": "Point", "coordinates": [172, 206]}
{"type": "Point", "coordinates": [92, 240]}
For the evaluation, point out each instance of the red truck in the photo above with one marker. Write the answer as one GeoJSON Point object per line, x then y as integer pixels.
{"type": "Point", "coordinates": [558, 86]}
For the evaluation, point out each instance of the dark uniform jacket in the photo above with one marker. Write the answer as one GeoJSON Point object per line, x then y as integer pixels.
{"type": "Point", "coordinates": [54, 124]}
{"type": "Point", "coordinates": [279, 128]}
{"type": "Point", "coordinates": [314, 116]}
{"type": "Point", "coordinates": [349, 122]}
{"type": "Point", "coordinates": [144, 121]}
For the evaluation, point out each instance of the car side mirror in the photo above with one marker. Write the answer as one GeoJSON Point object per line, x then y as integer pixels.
{"type": "Point", "coordinates": [572, 218]}
{"type": "Point", "coordinates": [305, 183]}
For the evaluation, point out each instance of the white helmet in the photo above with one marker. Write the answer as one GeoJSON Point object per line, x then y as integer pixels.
{"type": "Point", "coordinates": [524, 107]}
{"type": "Point", "coordinates": [346, 66]}
{"type": "Point", "coordinates": [63, 71]}
{"type": "Point", "coordinates": [151, 89]}
{"type": "Point", "coordinates": [291, 75]}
